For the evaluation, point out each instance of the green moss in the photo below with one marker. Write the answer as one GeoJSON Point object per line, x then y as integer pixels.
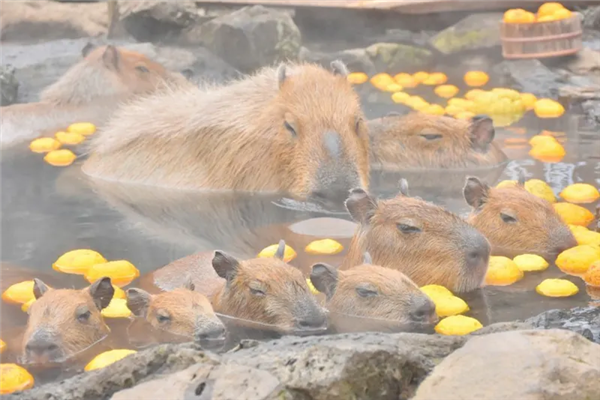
{"type": "Point", "coordinates": [454, 41]}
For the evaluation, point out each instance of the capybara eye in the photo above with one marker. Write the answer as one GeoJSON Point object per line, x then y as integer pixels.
{"type": "Point", "coordinates": [404, 228]}
{"type": "Point", "coordinates": [290, 128]}
{"type": "Point", "coordinates": [163, 318]}
{"type": "Point", "coordinates": [509, 219]}
{"type": "Point", "coordinates": [431, 136]}
{"type": "Point", "coordinates": [257, 292]}
{"type": "Point", "coordinates": [142, 69]}
{"type": "Point", "coordinates": [366, 292]}
{"type": "Point", "coordinates": [84, 317]}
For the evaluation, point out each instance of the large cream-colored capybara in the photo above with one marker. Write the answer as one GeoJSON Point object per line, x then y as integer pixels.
{"type": "Point", "coordinates": [295, 129]}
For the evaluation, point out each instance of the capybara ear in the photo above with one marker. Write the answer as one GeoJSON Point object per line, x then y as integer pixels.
{"type": "Point", "coordinates": [404, 187]}
{"type": "Point", "coordinates": [324, 278]}
{"type": "Point", "coordinates": [367, 258]}
{"type": "Point", "coordinates": [225, 265]}
{"type": "Point", "coordinates": [475, 192]}
{"type": "Point", "coordinates": [361, 206]}
{"type": "Point", "coordinates": [339, 68]}
{"type": "Point", "coordinates": [138, 301]}
{"type": "Point", "coordinates": [102, 292]}
{"type": "Point", "coordinates": [281, 74]}
{"type": "Point", "coordinates": [521, 179]}
{"type": "Point", "coordinates": [111, 57]}
{"type": "Point", "coordinates": [87, 49]}
{"type": "Point", "coordinates": [189, 285]}
{"type": "Point", "coordinates": [280, 250]}
{"type": "Point", "coordinates": [39, 288]}
{"type": "Point", "coordinates": [482, 132]}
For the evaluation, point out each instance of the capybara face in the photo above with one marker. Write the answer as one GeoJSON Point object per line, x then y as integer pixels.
{"type": "Point", "coordinates": [422, 141]}
{"type": "Point", "coordinates": [377, 294]}
{"type": "Point", "coordinates": [267, 291]}
{"type": "Point", "coordinates": [63, 322]}
{"type": "Point", "coordinates": [320, 118]}
{"type": "Point", "coordinates": [182, 312]}
{"type": "Point", "coordinates": [516, 221]}
{"type": "Point", "coordinates": [424, 241]}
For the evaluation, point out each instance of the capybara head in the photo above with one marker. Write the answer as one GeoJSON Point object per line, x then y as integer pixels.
{"type": "Point", "coordinates": [63, 322]}
{"type": "Point", "coordinates": [108, 71]}
{"type": "Point", "coordinates": [382, 296]}
{"type": "Point", "coordinates": [182, 312]}
{"type": "Point", "coordinates": [267, 291]}
{"type": "Point", "coordinates": [424, 241]}
{"type": "Point", "coordinates": [323, 135]}
{"type": "Point", "coordinates": [423, 141]}
{"type": "Point", "coordinates": [516, 221]}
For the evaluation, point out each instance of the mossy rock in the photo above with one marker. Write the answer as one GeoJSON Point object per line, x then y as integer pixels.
{"type": "Point", "coordinates": [477, 31]}
{"type": "Point", "coordinates": [395, 57]}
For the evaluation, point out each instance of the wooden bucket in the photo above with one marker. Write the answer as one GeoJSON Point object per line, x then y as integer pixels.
{"type": "Point", "coordinates": [541, 39]}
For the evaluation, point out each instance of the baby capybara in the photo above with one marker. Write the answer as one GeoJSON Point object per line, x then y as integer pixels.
{"type": "Point", "coordinates": [294, 129]}
{"type": "Point", "coordinates": [262, 290]}
{"type": "Point", "coordinates": [89, 91]}
{"type": "Point", "coordinates": [424, 241]}
{"type": "Point", "coordinates": [370, 297]}
{"type": "Point", "coordinates": [182, 312]}
{"type": "Point", "coordinates": [516, 221]}
{"type": "Point", "coordinates": [63, 322]}
{"type": "Point", "coordinates": [423, 141]}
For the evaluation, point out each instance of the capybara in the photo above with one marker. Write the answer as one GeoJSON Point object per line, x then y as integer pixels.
{"type": "Point", "coordinates": [262, 290]}
{"type": "Point", "coordinates": [89, 91]}
{"type": "Point", "coordinates": [423, 141]}
{"type": "Point", "coordinates": [373, 297]}
{"type": "Point", "coordinates": [516, 221]}
{"type": "Point", "coordinates": [424, 241]}
{"type": "Point", "coordinates": [63, 322]}
{"type": "Point", "coordinates": [295, 129]}
{"type": "Point", "coordinates": [182, 312]}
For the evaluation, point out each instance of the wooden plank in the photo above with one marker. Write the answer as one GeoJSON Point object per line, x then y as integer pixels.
{"type": "Point", "coordinates": [408, 6]}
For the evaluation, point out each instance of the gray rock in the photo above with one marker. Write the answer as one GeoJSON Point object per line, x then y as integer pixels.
{"type": "Point", "coordinates": [582, 320]}
{"type": "Point", "coordinates": [395, 57]}
{"type": "Point", "coordinates": [591, 18]}
{"type": "Point", "coordinates": [591, 110]}
{"type": "Point", "coordinates": [9, 86]}
{"type": "Point", "coordinates": [249, 38]}
{"type": "Point", "coordinates": [530, 76]}
{"type": "Point", "coordinates": [586, 62]}
{"type": "Point", "coordinates": [477, 31]}
{"type": "Point", "coordinates": [357, 60]}
{"type": "Point", "coordinates": [524, 365]}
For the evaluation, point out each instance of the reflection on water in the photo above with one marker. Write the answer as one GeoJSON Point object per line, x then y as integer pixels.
{"type": "Point", "coordinates": [47, 211]}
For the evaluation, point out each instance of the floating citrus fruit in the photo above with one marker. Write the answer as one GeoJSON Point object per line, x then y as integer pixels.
{"type": "Point", "coordinates": [557, 288]}
{"type": "Point", "coordinates": [476, 78]}
{"type": "Point", "coordinates": [78, 261]}
{"type": "Point", "coordinates": [502, 271]}
{"type": "Point", "coordinates": [540, 189]}
{"type": "Point", "coordinates": [14, 378]}
{"type": "Point", "coordinates": [44, 145]}
{"type": "Point", "coordinates": [324, 246]}
{"type": "Point", "coordinates": [518, 16]}
{"type": "Point", "coordinates": [69, 137]}
{"type": "Point", "coordinates": [439, 77]}
{"type": "Point", "coordinates": [288, 255]}
{"type": "Point", "coordinates": [548, 108]}
{"type": "Point", "coordinates": [83, 128]}
{"type": "Point", "coordinates": [433, 109]}
{"type": "Point", "coordinates": [393, 87]}
{"type": "Point", "coordinates": [436, 291]}
{"type": "Point", "coordinates": [549, 8]}
{"type": "Point", "coordinates": [117, 308]}
{"type": "Point", "coordinates": [473, 93]}
{"type": "Point", "coordinates": [19, 293]}
{"type": "Point", "coordinates": [107, 358]}
{"type": "Point", "coordinates": [506, 183]}
{"type": "Point", "coordinates": [592, 276]}
{"type": "Point", "coordinates": [420, 76]}
{"type": "Point", "coordinates": [25, 306]}
{"type": "Point", "coordinates": [584, 236]}
{"type": "Point", "coordinates": [357, 78]}
{"type": "Point", "coordinates": [542, 140]}
{"type": "Point", "coordinates": [446, 91]}
{"type": "Point", "coordinates": [464, 115]}
{"type": "Point", "coordinates": [573, 214]}
{"type": "Point", "coordinates": [400, 97]}
{"type": "Point", "coordinates": [2, 346]}
{"type": "Point", "coordinates": [577, 260]}
{"type": "Point", "coordinates": [119, 293]}
{"type": "Point", "coordinates": [562, 14]}
{"type": "Point", "coordinates": [580, 193]}
{"type": "Point", "coordinates": [60, 158]}
{"type": "Point", "coordinates": [312, 287]}
{"type": "Point", "coordinates": [457, 325]}
{"type": "Point", "coordinates": [528, 100]}
{"type": "Point", "coordinates": [120, 272]}
{"type": "Point", "coordinates": [548, 152]}
{"type": "Point", "coordinates": [382, 80]}
{"type": "Point", "coordinates": [406, 80]}
{"type": "Point", "coordinates": [530, 262]}
{"type": "Point", "coordinates": [446, 306]}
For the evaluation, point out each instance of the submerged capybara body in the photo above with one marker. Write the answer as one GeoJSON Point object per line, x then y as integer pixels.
{"type": "Point", "coordinates": [423, 141]}
{"type": "Point", "coordinates": [264, 291]}
{"type": "Point", "coordinates": [89, 91]}
{"type": "Point", "coordinates": [297, 129]}
{"type": "Point", "coordinates": [516, 221]}
{"type": "Point", "coordinates": [181, 312]}
{"type": "Point", "coordinates": [368, 297]}
{"type": "Point", "coordinates": [424, 241]}
{"type": "Point", "coordinates": [63, 322]}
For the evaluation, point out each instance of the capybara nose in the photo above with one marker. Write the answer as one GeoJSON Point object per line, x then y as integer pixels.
{"type": "Point", "coordinates": [312, 322]}
{"type": "Point", "coordinates": [423, 312]}
{"type": "Point", "coordinates": [477, 254]}
{"type": "Point", "coordinates": [214, 332]}
{"type": "Point", "coordinates": [41, 347]}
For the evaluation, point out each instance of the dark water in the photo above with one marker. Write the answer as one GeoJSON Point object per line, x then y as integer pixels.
{"type": "Point", "coordinates": [47, 211]}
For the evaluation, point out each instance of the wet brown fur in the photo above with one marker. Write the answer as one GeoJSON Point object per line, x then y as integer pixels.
{"type": "Point", "coordinates": [424, 241]}
{"type": "Point", "coordinates": [400, 142]}
{"type": "Point", "coordinates": [536, 229]}
{"type": "Point", "coordinates": [234, 136]}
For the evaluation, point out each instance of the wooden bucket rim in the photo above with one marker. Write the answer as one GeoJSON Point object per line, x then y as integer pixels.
{"type": "Point", "coordinates": [548, 38]}
{"type": "Point", "coordinates": [547, 54]}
